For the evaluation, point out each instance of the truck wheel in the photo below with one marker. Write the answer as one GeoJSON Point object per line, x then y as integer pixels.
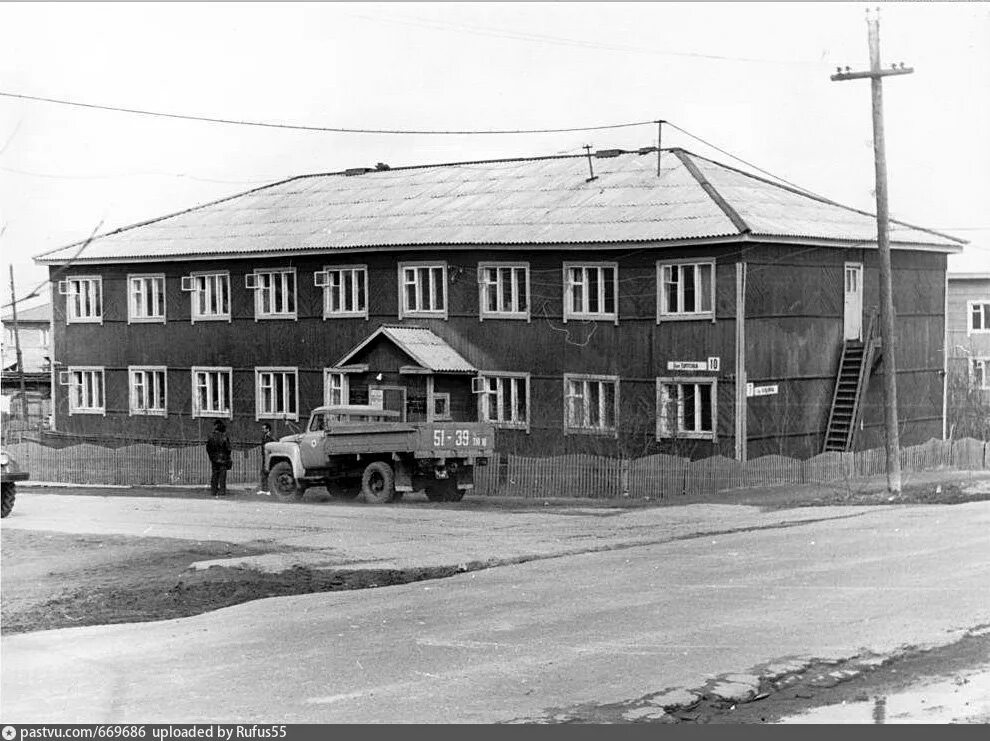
{"type": "Point", "coordinates": [442, 490]}
{"type": "Point", "coordinates": [9, 492]}
{"type": "Point", "coordinates": [283, 484]}
{"type": "Point", "coordinates": [378, 483]}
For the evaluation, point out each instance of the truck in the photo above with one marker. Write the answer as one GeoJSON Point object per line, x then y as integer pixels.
{"type": "Point", "coordinates": [10, 475]}
{"type": "Point", "coordinates": [364, 451]}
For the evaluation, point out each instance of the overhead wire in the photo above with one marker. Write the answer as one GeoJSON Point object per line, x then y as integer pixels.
{"type": "Point", "coordinates": [327, 129]}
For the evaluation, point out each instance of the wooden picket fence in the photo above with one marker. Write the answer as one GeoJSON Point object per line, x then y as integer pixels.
{"type": "Point", "coordinates": [577, 475]}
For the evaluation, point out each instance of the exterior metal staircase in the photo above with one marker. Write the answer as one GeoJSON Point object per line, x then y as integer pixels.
{"type": "Point", "coordinates": [855, 366]}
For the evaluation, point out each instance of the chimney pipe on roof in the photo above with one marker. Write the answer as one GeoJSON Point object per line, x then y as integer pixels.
{"type": "Point", "coordinates": [591, 167]}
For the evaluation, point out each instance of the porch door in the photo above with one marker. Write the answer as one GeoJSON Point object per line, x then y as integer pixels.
{"type": "Point", "coordinates": [853, 301]}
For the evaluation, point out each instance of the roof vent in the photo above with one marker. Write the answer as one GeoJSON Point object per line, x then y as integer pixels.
{"type": "Point", "coordinates": [605, 153]}
{"type": "Point", "coordinates": [382, 166]}
{"type": "Point", "coordinates": [358, 170]}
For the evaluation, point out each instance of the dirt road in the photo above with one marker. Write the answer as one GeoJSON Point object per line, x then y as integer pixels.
{"type": "Point", "coordinates": [117, 574]}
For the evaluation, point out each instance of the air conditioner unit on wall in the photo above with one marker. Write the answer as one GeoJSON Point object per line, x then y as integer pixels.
{"type": "Point", "coordinates": [63, 378]}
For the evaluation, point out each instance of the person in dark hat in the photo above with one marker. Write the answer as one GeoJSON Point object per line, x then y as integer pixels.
{"type": "Point", "coordinates": [218, 450]}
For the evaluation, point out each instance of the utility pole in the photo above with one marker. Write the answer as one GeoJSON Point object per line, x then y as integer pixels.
{"type": "Point", "coordinates": [876, 75]}
{"type": "Point", "coordinates": [17, 345]}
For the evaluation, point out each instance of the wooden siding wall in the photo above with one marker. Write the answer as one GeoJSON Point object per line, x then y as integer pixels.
{"type": "Point", "coordinates": [962, 344]}
{"type": "Point", "coordinates": [794, 330]}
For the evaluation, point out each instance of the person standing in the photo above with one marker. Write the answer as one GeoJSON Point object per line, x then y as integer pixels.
{"type": "Point", "coordinates": [218, 450]}
{"type": "Point", "coordinates": [266, 437]}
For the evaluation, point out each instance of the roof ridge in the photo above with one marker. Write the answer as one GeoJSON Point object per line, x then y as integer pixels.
{"type": "Point", "coordinates": [817, 197]}
{"type": "Point", "coordinates": [720, 201]}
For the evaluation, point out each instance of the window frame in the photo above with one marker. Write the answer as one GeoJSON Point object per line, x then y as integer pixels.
{"type": "Point", "coordinates": [432, 415]}
{"type": "Point", "coordinates": [680, 316]}
{"type": "Point", "coordinates": [662, 427]}
{"type": "Point", "coordinates": [252, 281]}
{"type": "Point", "coordinates": [404, 311]}
{"type": "Point", "coordinates": [327, 312]}
{"type": "Point", "coordinates": [87, 369]}
{"type": "Point", "coordinates": [483, 402]}
{"type": "Point", "coordinates": [970, 312]}
{"type": "Point", "coordinates": [132, 318]}
{"type": "Point", "coordinates": [135, 411]}
{"type": "Point", "coordinates": [286, 370]}
{"type": "Point", "coordinates": [194, 315]}
{"type": "Point", "coordinates": [599, 431]}
{"type": "Point", "coordinates": [484, 287]}
{"type": "Point", "coordinates": [198, 413]}
{"type": "Point", "coordinates": [70, 316]}
{"type": "Point", "coordinates": [345, 393]}
{"type": "Point", "coordinates": [600, 316]}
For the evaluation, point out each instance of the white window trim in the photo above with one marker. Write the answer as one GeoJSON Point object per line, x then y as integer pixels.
{"type": "Point", "coordinates": [258, 414]}
{"type": "Point", "coordinates": [603, 316]}
{"type": "Point", "coordinates": [482, 405]}
{"type": "Point", "coordinates": [601, 432]}
{"type": "Point", "coordinates": [260, 315]}
{"type": "Point", "coordinates": [345, 389]}
{"type": "Point", "coordinates": [363, 314]}
{"type": "Point", "coordinates": [672, 434]}
{"type": "Point", "coordinates": [432, 412]}
{"type": "Point", "coordinates": [69, 318]}
{"type": "Point", "coordinates": [131, 318]}
{"type": "Point", "coordinates": [101, 410]}
{"type": "Point", "coordinates": [969, 317]}
{"type": "Point", "coordinates": [403, 311]}
{"type": "Point", "coordinates": [193, 315]}
{"type": "Point", "coordinates": [132, 410]}
{"type": "Point", "coordinates": [985, 360]}
{"type": "Point", "coordinates": [662, 314]}
{"type": "Point", "coordinates": [483, 311]}
{"type": "Point", "coordinates": [196, 412]}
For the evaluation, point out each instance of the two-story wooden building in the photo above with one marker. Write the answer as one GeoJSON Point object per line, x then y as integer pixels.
{"type": "Point", "coordinates": [680, 306]}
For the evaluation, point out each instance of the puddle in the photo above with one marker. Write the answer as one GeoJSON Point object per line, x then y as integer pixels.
{"type": "Point", "coordinates": [964, 698]}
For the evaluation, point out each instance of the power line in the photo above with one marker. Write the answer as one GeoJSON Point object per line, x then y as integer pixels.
{"type": "Point", "coordinates": [133, 174]}
{"type": "Point", "coordinates": [330, 129]}
{"type": "Point", "coordinates": [564, 41]}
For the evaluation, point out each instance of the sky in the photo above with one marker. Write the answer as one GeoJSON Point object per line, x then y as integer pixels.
{"type": "Point", "coordinates": [749, 78]}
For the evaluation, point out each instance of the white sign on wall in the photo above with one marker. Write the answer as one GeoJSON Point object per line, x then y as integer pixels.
{"type": "Point", "coordinates": [767, 390]}
{"type": "Point", "coordinates": [712, 364]}
{"type": "Point", "coordinates": [376, 398]}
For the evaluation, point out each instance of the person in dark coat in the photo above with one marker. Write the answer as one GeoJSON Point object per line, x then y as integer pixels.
{"type": "Point", "coordinates": [266, 437]}
{"type": "Point", "coordinates": [218, 450]}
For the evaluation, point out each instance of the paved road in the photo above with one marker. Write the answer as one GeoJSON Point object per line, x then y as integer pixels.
{"type": "Point", "coordinates": [513, 641]}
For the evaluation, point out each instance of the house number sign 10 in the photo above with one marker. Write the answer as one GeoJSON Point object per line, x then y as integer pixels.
{"type": "Point", "coordinates": [712, 364]}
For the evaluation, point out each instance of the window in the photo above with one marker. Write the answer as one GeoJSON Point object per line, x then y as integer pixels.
{"type": "Point", "coordinates": [146, 298]}
{"type": "Point", "coordinates": [83, 299]}
{"type": "Point", "coordinates": [274, 293]}
{"type": "Point", "coordinates": [979, 316]}
{"type": "Point", "coordinates": [336, 389]}
{"type": "Point", "coordinates": [686, 408]}
{"type": "Point", "coordinates": [441, 407]}
{"type": "Point", "coordinates": [147, 390]}
{"type": "Point", "coordinates": [591, 404]}
{"type": "Point", "coordinates": [277, 396]}
{"type": "Point", "coordinates": [979, 373]}
{"type": "Point", "coordinates": [345, 291]}
{"type": "Point", "coordinates": [86, 390]}
{"type": "Point", "coordinates": [211, 392]}
{"type": "Point", "coordinates": [210, 295]}
{"type": "Point", "coordinates": [504, 290]}
{"type": "Point", "coordinates": [590, 291]}
{"type": "Point", "coordinates": [685, 290]}
{"type": "Point", "coordinates": [503, 399]}
{"type": "Point", "coordinates": [423, 290]}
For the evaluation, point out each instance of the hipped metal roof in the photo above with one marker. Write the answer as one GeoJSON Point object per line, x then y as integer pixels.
{"type": "Point", "coordinates": [534, 202]}
{"type": "Point", "coordinates": [420, 344]}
